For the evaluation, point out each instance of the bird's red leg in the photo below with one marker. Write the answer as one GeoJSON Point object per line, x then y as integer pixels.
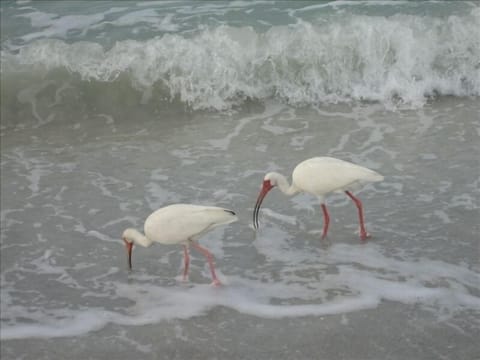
{"type": "Point", "coordinates": [326, 220]}
{"type": "Point", "coordinates": [209, 257]}
{"type": "Point", "coordinates": [363, 233]}
{"type": "Point", "coordinates": [186, 257]}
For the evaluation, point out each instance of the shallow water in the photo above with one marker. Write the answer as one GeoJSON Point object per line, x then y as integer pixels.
{"type": "Point", "coordinates": [66, 199]}
{"type": "Point", "coordinates": [84, 157]}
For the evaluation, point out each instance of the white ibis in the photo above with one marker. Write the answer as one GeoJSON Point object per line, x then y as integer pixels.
{"type": "Point", "coordinates": [320, 176]}
{"type": "Point", "coordinates": [180, 224]}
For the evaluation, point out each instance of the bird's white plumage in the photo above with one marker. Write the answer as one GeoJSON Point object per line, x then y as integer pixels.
{"type": "Point", "coordinates": [179, 223]}
{"type": "Point", "coordinates": [322, 175]}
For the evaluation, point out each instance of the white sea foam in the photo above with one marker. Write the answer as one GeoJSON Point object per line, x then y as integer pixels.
{"type": "Point", "coordinates": [106, 183]}
{"type": "Point", "coordinates": [149, 16]}
{"type": "Point", "coordinates": [224, 143]}
{"type": "Point", "coordinates": [58, 26]}
{"type": "Point", "coordinates": [364, 275]}
{"type": "Point", "coordinates": [402, 59]}
{"type": "Point", "coordinates": [159, 195]}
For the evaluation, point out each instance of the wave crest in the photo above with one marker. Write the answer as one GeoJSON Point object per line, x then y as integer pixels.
{"type": "Point", "coordinates": [399, 59]}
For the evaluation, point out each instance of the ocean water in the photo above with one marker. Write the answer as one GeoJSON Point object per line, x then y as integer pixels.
{"type": "Point", "coordinates": [110, 110]}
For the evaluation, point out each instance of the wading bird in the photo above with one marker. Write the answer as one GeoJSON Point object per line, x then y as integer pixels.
{"type": "Point", "coordinates": [180, 224]}
{"type": "Point", "coordinates": [320, 176]}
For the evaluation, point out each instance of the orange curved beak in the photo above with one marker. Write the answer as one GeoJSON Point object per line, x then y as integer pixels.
{"type": "Point", "coordinates": [266, 187]}
{"type": "Point", "coordinates": [129, 247]}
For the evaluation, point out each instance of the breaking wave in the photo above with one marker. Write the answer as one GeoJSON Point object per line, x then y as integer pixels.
{"type": "Point", "coordinates": [402, 59]}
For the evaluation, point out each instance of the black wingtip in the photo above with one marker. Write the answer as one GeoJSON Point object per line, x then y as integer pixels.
{"type": "Point", "coordinates": [229, 211]}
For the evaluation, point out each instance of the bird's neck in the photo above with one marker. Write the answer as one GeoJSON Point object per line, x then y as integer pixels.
{"type": "Point", "coordinates": [284, 186]}
{"type": "Point", "coordinates": [139, 239]}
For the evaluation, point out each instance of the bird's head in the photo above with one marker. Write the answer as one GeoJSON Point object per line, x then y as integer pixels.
{"type": "Point", "coordinates": [269, 182]}
{"type": "Point", "coordinates": [271, 178]}
{"type": "Point", "coordinates": [128, 237]}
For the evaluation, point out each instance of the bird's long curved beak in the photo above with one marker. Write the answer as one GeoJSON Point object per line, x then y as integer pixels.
{"type": "Point", "coordinates": [267, 186]}
{"type": "Point", "coordinates": [129, 247]}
